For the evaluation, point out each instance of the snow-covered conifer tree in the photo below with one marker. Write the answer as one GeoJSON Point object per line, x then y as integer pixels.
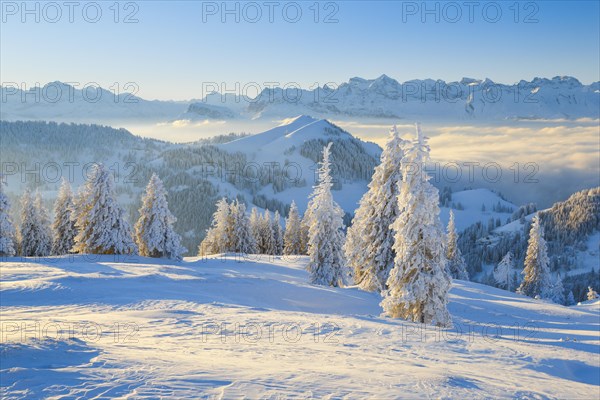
{"type": "Point", "coordinates": [219, 236]}
{"type": "Point", "coordinates": [456, 263]}
{"type": "Point", "coordinates": [325, 236]}
{"type": "Point", "coordinates": [591, 294]}
{"type": "Point", "coordinates": [304, 234]}
{"type": "Point", "coordinates": [7, 229]}
{"type": "Point", "coordinates": [277, 235]}
{"type": "Point", "coordinates": [123, 242]}
{"type": "Point", "coordinates": [369, 243]}
{"type": "Point", "coordinates": [267, 236]}
{"type": "Point", "coordinates": [503, 273]}
{"type": "Point", "coordinates": [255, 229]}
{"type": "Point", "coordinates": [154, 234]}
{"type": "Point", "coordinates": [570, 299]}
{"type": "Point", "coordinates": [243, 239]}
{"type": "Point", "coordinates": [557, 291]}
{"type": "Point", "coordinates": [293, 234]}
{"type": "Point", "coordinates": [63, 227]}
{"type": "Point", "coordinates": [100, 221]}
{"type": "Point", "coordinates": [35, 226]}
{"type": "Point", "coordinates": [418, 284]}
{"type": "Point", "coordinates": [44, 241]}
{"type": "Point", "coordinates": [27, 230]}
{"type": "Point", "coordinates": [536, 280]}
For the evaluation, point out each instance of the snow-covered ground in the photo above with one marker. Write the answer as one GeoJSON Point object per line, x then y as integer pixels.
{"type": "Point", "coordinates": [224, 327]}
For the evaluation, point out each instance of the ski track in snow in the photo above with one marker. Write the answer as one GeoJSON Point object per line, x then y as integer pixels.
{"type": "Point", "coordinates": [294, 340]}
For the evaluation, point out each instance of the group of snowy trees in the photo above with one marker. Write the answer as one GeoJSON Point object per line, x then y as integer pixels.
{"type": "Point", "coordinates": [369, 246]}
{"type": "Point", "coordinates": [91, 221]}
{"type": "Point", "coordinates": [395, 246]}
{"type": "Point", "coordinates": [537, 279]}
{"type": "Point", "coordinates": [232, 230]}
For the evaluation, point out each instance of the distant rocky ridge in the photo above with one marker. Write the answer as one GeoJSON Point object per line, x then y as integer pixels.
{"type": "Point", "coordinates": [384, 97]}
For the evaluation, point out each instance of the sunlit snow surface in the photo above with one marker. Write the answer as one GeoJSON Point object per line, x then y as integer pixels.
{"type": "Point", "coordinates": [221, 328]}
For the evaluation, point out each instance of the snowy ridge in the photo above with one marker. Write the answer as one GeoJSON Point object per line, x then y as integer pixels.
{"type": "Point", "coordinates": [61, 102]}
{"type": "Point", "coordinates": [562, 97]}
{"type": "Point", "coordinates": [467, 99]}
{"type": "Point", "coordinates": [356, 353]}
{"type": "Point", "coordinates": [268, 138]}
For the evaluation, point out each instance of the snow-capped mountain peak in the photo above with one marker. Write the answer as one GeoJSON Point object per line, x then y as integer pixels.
{"type": "Point", "coordinates": [300, 120]}
{"type": "Point", "coordinates": [382, 97]}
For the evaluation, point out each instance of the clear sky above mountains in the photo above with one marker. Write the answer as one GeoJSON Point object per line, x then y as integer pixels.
{"type": "Point", "coordinates": [174, 47]}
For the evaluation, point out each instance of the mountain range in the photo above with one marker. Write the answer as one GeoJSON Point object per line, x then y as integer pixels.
{"type": "Point", "coordinates": [384, 97]}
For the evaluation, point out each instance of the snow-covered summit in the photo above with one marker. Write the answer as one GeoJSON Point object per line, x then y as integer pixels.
{"type": "Point", "coordinates": [292, 132]}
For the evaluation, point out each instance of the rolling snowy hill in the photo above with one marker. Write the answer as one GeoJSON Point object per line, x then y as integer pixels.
{"type": "Point", "coordinates": [220, 328]}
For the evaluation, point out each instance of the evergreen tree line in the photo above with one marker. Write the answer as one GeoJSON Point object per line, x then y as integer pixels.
{"type": "Point", "coordinates": [90, 222]}
{"type": "Point", "coordinates": [232, 230]}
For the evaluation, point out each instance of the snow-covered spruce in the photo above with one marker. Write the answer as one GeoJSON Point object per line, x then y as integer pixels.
{"type": "Point", "coordinates": [504, 274]}
{"type": "Point", "coordinates": [304, 233]}
{"type": "Point", "coordinates": [7, 229]}
{"type": "Point", "coordinates": [255, 229]}
{"type": "Point", "coordinates": [45, 231]}
{"type": "Point", "coordinates": [101, 222]}
{"type": "Point", "coordinates": [27, 234]}
{"type": "Point", "coordinates": [536, 281]}
{"type": "Point", "coordinates": [325, 236]}
{"type": "Point", "coordinates": [219, 236]}
{"type": "Point", "coordinates": [63, 227]}
{"type": "Point", "coordinates": [591, 294]}
{"type": "Point", "coordinates": [267, 235]}
{"type": "Point", "coordinates": [293, 232]}
{"type": "Point", "coordinates": [570, 299]}
{"type": "Point", "coordinates": [232, 230]}
{"type": "Point", "coordinates": [277, 234]}
{"type": "Point", "coordinates": [457, 268]}
{"type": "Point", "coordinates": [243, 239]}
{"type": "Point", "coordinates": [35, 226]}
{"type": "Point", "coordinates": [369, 243]}
{"type": "Point", "coordinates": [418, 284]}
{"type": "Point", "coordinates": [557, 290]}
{"type": "Point", "coordinates": [154, 233]}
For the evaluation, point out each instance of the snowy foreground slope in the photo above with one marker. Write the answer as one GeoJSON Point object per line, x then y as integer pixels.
{"type": "Point", "coordinates": [219, 328]}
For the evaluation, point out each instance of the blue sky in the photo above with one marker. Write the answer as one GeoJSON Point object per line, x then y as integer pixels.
{"type": "Point", "coordinates": [174, 47]}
